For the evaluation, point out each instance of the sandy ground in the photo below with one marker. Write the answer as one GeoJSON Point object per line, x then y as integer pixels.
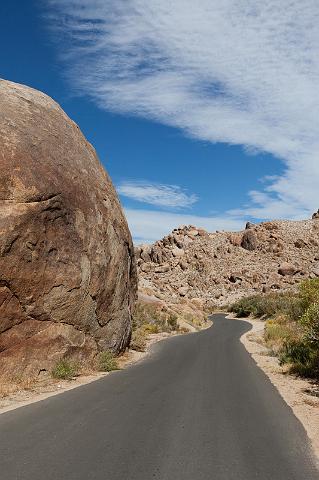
{"type": "Point", "coordinates": [298, 393]}
{"type": "Point", "coordinates": [49, 387]}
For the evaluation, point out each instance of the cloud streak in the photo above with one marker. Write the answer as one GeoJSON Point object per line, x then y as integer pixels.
{"type": "Point", "coordinates": [151, 225]}
{"type": "Point", "coordinates": [241, 72]}
{"type": "Point", "coordinates": [170, 196]}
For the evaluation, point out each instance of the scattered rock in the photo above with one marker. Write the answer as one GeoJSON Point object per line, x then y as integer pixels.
{"type": "Point", "coordinates": [217, 270]}
{"type": "Point", "coordinates": [162, 268]}
{"type": "Point", "coordinates": [300, 243]}
{"type": "Point", "coordinates": [193, 233]}
{"type": "Point", "coordinates": [287, 269]}
{"type": "Point", "coordinates": [249, 240]}
{"type": "Point", "coordinates": [315, 216]}
{"type": "Point", "coordinates": [178, 252]}
{"type": "Point", "coordinates": [234, 278]}
{"type": "Point", "coordinates": [183, 291]}
{"type": "Point", "coordinates": [249, 225]}
{"type": "Point", "coordinates": [315, 272]}
{"type": "Point", "coordinates": [183, 265]}
{"type": "Point", "coordinates": [146, 267]}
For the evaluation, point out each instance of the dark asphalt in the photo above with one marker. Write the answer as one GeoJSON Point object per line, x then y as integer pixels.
{"type": "Point", "coordinates": [197, 409]}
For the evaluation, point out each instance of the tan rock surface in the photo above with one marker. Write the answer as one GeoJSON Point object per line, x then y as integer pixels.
{"type": "Point", "coordinates": [221, 267]}
{"type": "Point", "coordinates": [67, 269]}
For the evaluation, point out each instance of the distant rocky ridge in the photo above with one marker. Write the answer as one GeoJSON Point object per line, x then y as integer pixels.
{"type": "Point", "coordinates": [67, 270]}
{"type": "Point", "coordinates": [218, 268]}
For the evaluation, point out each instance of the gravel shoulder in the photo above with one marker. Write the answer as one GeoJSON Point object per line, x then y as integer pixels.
{"type": "Point", "coordinates": [298, 393]}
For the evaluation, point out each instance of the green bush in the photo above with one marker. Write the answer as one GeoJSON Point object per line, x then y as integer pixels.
{"type": "Point", "coordinates": [65, 370]}
{"type": "Point", "coordinates": [310, 322]}
{"type": "Point", "coordinates": [302, 357]}
{"type": "Point", "coordinates": [292, 331]}
{"type": "Point", "coordinates": [309, 293]}
{"type": "Point", "coordinates": [107, 361]}
{"type": "Point", "coordinates": [268, 305]}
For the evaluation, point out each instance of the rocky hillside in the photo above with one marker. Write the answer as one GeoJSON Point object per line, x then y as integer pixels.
{"type": "Point", "coordinates": [67, 271]}
{"type": "Point", "coordinates": [192, 265]}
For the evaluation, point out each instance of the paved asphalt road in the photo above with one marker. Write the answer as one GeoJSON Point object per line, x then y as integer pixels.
{"type": "Point", "coordinates": [197, 409]}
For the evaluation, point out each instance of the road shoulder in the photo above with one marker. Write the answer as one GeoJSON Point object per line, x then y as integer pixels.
{"type": "Point", "coordinates": [294, 390]}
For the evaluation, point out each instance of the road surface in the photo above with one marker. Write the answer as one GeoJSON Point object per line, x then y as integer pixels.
{"type": "Point", "coordinates": [198, 409]}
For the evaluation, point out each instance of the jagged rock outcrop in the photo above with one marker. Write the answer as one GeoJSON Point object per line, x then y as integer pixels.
{"type": "Point", "coordinates": [315, 216]}
{"type": "Point", "coordinates": [67, 269]}
{"type": "Point", "coordinates": [218, 268]}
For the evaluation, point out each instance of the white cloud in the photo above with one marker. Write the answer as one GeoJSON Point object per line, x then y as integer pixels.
{"type": "Point", "coordinates": [242, 72]}
{"type": "Point", "coordinates": [148, 226]}
{"type": "Point", "coordinates": [160, 195]}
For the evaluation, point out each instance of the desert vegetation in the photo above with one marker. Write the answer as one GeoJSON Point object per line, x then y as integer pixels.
{"type": "Point", "coordinates": [107, 361]}
{"type": "Point", "coordinates": [151, 318]}
{"type": "Point", "coordinates": [65, 370]}
{"type": "Point", "coordinates": [292, 325]}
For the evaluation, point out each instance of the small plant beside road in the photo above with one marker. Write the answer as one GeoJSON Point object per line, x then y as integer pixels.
{"type": "Point", "coordinates": [65, 370]}
{"type": "Point", "coordinates": [107, 362]}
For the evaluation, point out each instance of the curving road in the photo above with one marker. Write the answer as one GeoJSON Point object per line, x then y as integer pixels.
{"type": "Point", "coordinates": [197, 409]}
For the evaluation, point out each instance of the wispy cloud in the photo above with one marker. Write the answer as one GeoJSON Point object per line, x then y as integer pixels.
{"type": "Point", "coordinates": [242, 72]}
{"type": "Point", "coordinates": [171, 196]}
{"type": "Point", "coordinates": [151, 225]}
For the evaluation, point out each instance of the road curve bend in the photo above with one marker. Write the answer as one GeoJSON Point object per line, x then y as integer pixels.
{"type": "Point", "coordinates": [197, 409]}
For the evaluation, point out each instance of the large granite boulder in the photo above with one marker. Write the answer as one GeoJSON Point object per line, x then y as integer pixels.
{"type": "Point", "coordinates": [67, 269]}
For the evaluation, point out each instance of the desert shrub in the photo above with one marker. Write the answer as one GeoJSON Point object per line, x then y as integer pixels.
{"type": "Point", "coordinates": [300, 348]}
{"type": "Point", "coordinates": [310, 323]}
{"type": "Point", "coordinates": [152, 318]}
{"type": "Point", "coordinates": [138, 340]}
{"type": "Point", "coordinates": [302, 357]}
{"type": "Point", "coordinates": [268, 305]}
{"type": "Point", "coordinates": [279, 332]}
{"type": "Point", "coordinates": [148, 314]}
{"type": "Point", "coordinates": [107, 361]}
{"type": "Point", "coordinates": [245, 306]}
{"type": "Point", "coordinates": [292, 329]}
{"type": "Point", "coordinates": [151, 328]}
{"type": "Point", "coordinates": [309, 293]}
{"type": "Point", "coordinates": [172, 322]}
{"type": "Point", "coordinates": [64, 370]}
{"type": "Point", "coordinates": [184, 330]}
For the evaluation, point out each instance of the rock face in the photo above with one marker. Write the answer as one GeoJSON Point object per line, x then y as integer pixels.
{"type": "Point", "coordinates": [67, 269]}
{"type": "Point", "coordinates": [315, 216]}
{"type": "Point", "coordinates": [249, 240]}
{"type": "Point", "coordinates": [219, 268]}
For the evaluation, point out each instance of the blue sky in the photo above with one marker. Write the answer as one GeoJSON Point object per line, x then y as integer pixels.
{"type": "Point", "coordinates": [201, 114]}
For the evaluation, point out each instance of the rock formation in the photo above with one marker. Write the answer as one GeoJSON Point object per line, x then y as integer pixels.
{"type": "Point", "coordinates": [218, 268]}
{"type": "Point", "coordinates": [67, 269]}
